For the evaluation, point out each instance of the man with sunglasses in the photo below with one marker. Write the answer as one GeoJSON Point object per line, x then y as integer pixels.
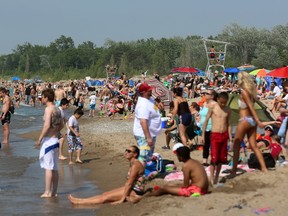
{"type": "Point", "coordinates": [147, 122]}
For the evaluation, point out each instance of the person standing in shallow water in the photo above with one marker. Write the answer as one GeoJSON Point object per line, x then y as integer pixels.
{"type": "Point", "coordinates": [48, 157]}
{"type": "Point", "coordinates": [5, 115]}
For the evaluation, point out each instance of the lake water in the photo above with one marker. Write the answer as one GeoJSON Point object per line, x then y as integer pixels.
{"type": "Point", "coordinates": [22, 179]}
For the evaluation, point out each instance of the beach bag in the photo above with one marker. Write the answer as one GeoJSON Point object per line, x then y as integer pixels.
{"type": "Point", "coordinates": [254, 164]}
{"type": "Point", "coordinates": [156, 165]}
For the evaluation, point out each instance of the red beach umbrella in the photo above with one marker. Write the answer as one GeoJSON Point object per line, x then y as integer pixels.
{"type": "Point", "coordinates": [279, 72]}
{"type": "Point", "coordinates": [184, 70]}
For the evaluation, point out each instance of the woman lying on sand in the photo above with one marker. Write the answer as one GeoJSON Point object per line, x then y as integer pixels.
{"type": "Point", "coordinates": [132, 190]}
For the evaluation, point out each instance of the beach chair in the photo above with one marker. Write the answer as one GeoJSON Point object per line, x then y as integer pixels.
{"type": "Point", "coordinates": [193, 132]}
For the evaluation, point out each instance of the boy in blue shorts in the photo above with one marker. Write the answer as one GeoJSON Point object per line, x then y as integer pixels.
{"type": "Point", "coordinates": [73, 136]}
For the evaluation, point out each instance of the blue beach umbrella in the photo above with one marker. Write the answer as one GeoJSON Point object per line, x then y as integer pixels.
{"type": "Point", "coordinates": [231, 70]}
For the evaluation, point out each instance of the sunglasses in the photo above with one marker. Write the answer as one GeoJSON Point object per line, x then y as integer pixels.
{"type": "Point", "coordinates": [128, 151]}
{"type": "Point", "coordinates": [206, 93]}
{"type": "Point", "coordinates": [269, 129]}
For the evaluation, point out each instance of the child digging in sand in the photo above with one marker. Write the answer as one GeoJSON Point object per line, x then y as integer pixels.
{"type": "Point", "coordinates": [195, 178]}
{"type": "Point", "coordinates": [73, 136]}
{"type": "Point", "coordinates": [221, 131]}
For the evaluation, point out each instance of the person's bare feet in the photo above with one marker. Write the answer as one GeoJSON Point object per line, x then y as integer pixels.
{"type": "Point", "coordinates": [79, 161]}
{"type": "Point", "coordinates": [73, 200]}
{"type": "Point", "coordinates": [71, 163]}
{"type": "Point", "coordinates": [61, 157]}
{"type": "Point", "coordinates": [46, 195]}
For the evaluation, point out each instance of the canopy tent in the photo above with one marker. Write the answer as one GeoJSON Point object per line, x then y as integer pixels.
{"type": "Point", "coordinates": [95, 83]}
{"type": "Point", "coordinates": [161, 91]}
{"type": "Point", "coordinates": [259, 107]}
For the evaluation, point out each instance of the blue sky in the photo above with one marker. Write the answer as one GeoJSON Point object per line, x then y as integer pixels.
{"type": "Point", "coordinates": [41, 22]}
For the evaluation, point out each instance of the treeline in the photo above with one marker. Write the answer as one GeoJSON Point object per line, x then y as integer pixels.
{"type": "Point", "coordinates": [63, 60]}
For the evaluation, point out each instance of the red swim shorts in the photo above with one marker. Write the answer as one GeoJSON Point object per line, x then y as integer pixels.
{"type": "Point", "coordinates": [219, 147]}
{"type": "Point", "coordinates": [190, 190]}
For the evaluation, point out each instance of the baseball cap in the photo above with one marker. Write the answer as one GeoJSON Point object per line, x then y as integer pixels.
{"type": "Point", "coordinates": [176, 146]}
{"type": "Point", "coordinates": [268, 126]}
{"type": "Point", "coordinates": [145, 87]}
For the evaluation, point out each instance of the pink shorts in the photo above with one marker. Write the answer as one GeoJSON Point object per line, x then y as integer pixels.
{"type": "Point", "coordinates": [191, 190]}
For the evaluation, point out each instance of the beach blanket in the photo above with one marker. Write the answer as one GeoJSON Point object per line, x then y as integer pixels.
{"type": "Point", "coordinates": [225, 170]}
{"type": "Point", "coordinates": [48, 156]}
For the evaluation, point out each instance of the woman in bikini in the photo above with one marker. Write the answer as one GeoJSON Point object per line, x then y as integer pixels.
{"type": "Point", "coordinates": [248, 121]}
{"type": "Point", "coordinates": [132, 191]}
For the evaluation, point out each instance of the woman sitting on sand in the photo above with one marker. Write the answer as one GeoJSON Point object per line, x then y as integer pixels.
{"type": "Point", "coordinates": [131, 191]}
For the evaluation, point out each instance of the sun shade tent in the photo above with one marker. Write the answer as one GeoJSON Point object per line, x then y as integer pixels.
{"type": "Point", "coordinates": [259, 107]}
{"type": "Point", "coordinates": [15, 78]}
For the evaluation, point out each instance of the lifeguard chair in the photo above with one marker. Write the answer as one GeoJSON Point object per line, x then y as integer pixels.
{"type": "Point", "coordinates": [216, 54]}
{"type": "Point", "coordinates": [111, 71]}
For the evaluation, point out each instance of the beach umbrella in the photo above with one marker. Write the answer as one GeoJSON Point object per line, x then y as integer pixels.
{"type": "Point", "coordinates": [232, 70]}
{"type": "Point", "coordinates": [161, 91]}
{"type": "Point", "coordinates": [247, 67]}
{"type": "Point", "coordinates": [259, 72]}
{"type": "Point", "coordinates": [279, 72]}
{"type": "Point", "coordinates": [184, 70]}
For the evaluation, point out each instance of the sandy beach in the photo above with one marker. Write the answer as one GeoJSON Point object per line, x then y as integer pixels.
{"type": "Point", "coordinates": [105, 140]}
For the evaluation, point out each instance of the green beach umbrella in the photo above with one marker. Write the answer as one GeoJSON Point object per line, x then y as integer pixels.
{"type": "Point", "coordinates": [259, 72]}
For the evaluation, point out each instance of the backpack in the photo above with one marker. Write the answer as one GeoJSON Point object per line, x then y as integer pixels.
{"type": "Point", "coordinates": [254, 163]}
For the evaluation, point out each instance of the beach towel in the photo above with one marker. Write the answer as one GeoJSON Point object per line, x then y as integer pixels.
{"type": "Point", "coordinates": [48, 156]}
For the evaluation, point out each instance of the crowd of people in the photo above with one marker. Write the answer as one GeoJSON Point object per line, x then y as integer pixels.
{"type": "Point", "coordinates": [211, 115]}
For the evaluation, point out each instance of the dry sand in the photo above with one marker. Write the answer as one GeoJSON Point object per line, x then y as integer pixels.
{"type": "Point", "coordinates": [104, 145]}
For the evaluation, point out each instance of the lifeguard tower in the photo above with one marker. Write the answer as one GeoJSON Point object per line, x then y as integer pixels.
{"type": "Point", "coordinates": [216, 54]}
{"type": "Point", "coordinates": [111, 71]}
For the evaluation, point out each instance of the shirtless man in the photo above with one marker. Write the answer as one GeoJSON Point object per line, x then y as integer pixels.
{"type": "Point", "coordinates": [195, 178]}
{"type": "Point", "coordinates": [53, 123]}
{"type": "Point", "coordinates": [59, 94]}
{"type": "Point", "coordinates": [220, 133]}
{"type": "Point", "coordinates": [5, 115]}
